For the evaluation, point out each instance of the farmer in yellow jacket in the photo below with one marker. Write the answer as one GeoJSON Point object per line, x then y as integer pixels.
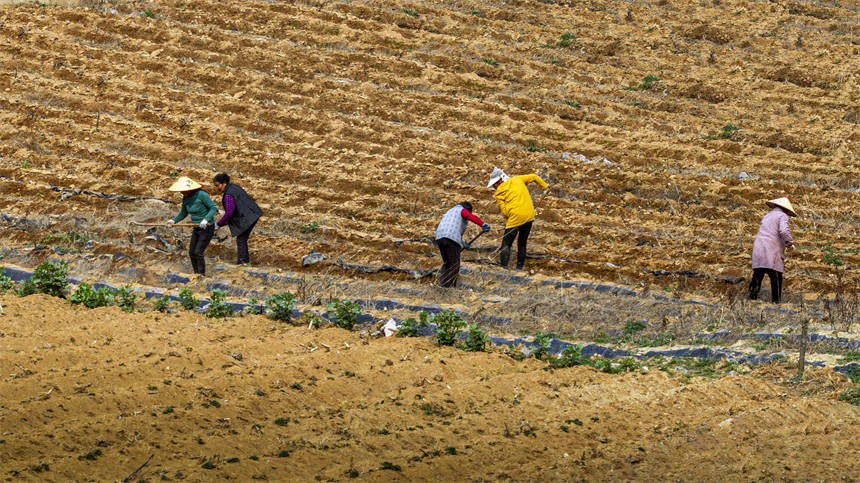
{"type": "Point", "coordinates": [515, 203]}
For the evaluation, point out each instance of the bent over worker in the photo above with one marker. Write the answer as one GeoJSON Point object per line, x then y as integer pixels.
{"type": "Point", "coordinates": [449, 237]}
{"type": "Point", "coordinates": [768, 253]}
{"type": "Point", "coordinates": [240, 214]}
{"type": "Point", "coordinates": [516, 205]}
{"type": "Point", "coordinates": [201, 208]}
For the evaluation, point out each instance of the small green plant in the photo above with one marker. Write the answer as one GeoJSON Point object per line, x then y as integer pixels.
{"type": "Point", "coordinates": [173, 173]}
{"type": "Point", "coordinates": [573, 104]}
{"type": "Point", "coordinates": [148, 13]}
{"type": "Point", "coordinates": [353, 473]}
{"type": "Point", "coordinates": [448, 323]}
{"type": "Point", "coordinates": [831, 258]}
{"type": "Point", "coordinates": [280, 306]}
{"type": "Point", "coordinates": [648, 82]}
{"type": "Point", "coordinates": [314, 320]}
{"type": "Point", "coordinates": [475, 12]}
{"type": "Point", "coordinates": [208, 465]}
{"type": "Point", "coordinates": [346, 313]}
{"type": "Point", "coordinates": [727, 131]}
{"type": "Point", "coordinates": [253, 457]}
{"type": "Point", "coordinates": [451, 450]}
{"type": "Point", "coordinates": [40, 467]}
{"type": "Point", "coordinates": [282, 421]}
{"type": "Point", "coordinates": [411, 327]}
{"type": "Point", "coordinates": [6, 283]}
{"type": "Point", "coordinates": [386, 465]}
{"type": "Point", "coordinates": [634, 326]}
{"type": "Point", "coordinates": [851, 396]}
{"type": "Point", "coordinates": [570, 356]}
{"type": "Point", "coordinates": [476, 340]}
{"type": "Point", "coordinates": [491, 61]}
{"type": "Point", "coordinates": [90, 298]}
{"type": "Point", "coordinates": [187, 300]}
{"type": "Point", "coordinates": [218, 308]}
{"type": "Point", "coordinates": [543, 340]}
{"type": "Point", "coordinates": [50, 278]}
{"type": "Point", "coordinates": [125, 298]}
{"type": "Point", "coordinates": [92, 455]}
{"type": "Point", "coordinates": [310, 227]}
{"type": "Point", "coordinates": [232, 460]}
{"type": "Point", "coordinates": [25, 164]}
{"type": "Point", "coordinates": [167, 410]}
{"type": "Point", "coordinates": [565, 39]}
{"type": "Point", "coordinates": [283, 453]}
{"type": "Point", "coordinates": [255, 307]}
{"type": "Point", "coordinates": [162, 304]}
{"type": "Point", "coordinates": [532, 146]}
{"type": "Point", "coordinates": [410, 12]}
{"type": "Point", "coordinates": [26, 287]}
{"type": "Point", "coordinates": [296, 386]}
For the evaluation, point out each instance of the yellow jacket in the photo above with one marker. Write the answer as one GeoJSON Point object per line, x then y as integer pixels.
{"type": "Point", "coordinates": [514, 200]}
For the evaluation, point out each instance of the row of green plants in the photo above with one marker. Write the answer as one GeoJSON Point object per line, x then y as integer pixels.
{"type": "Point", "coordinates": [51, 278]}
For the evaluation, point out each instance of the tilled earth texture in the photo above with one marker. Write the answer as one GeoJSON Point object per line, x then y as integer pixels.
{"type": "Point", "coordinates": [93, 394]}
{"type": "Point", "coordinates": [661, 128]}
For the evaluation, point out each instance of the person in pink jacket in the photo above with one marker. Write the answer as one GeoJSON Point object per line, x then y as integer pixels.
{"type": "Point", "coordinates": [768, 254]}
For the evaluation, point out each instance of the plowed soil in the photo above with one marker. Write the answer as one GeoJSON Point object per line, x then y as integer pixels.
{"type": "Point", "coordinates": [373, 118]}
{"type": "Point", "coordinates": [93, 393]}
{"type": "Point", "coordinates": [356, 124]}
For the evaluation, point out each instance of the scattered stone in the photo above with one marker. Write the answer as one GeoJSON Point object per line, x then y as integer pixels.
{"type": "Point", "coordinates": [312, 258]}
{"type": "Point", "coordinates": [743, 175]}
{"type": "Point", "coordinates": [237, 355]}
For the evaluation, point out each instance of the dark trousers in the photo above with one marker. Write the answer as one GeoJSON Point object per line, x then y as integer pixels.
{"type": "Point", "coordinates": [521, 233]}
{"type": "Point", "coordinates": [450, 270]}
{"type": "Point", "coordinates": [242, 255]}
{"type": "Point", "coordinates": [775, 283]}
{"type": "Point", "coordinates": [200, 238]}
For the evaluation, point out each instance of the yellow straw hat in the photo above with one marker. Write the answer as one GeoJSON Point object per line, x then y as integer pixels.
{"type": "Point", "coordinates": [784, 204]}
{"type": "Point", "coordinates": [184, 183]}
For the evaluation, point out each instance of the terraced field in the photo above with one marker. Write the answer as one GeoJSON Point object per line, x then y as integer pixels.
{"type": "Point", "coordinates": [371, 118]}
{"type": "Point", "coordinates": [661, 128]}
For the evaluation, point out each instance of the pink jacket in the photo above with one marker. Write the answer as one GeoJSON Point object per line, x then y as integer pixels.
{"type": "Point", "coordinates": [769, 246]}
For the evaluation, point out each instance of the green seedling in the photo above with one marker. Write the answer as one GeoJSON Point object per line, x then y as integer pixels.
{"type": "Point", "coordinates": [187, 300]}
{"type": "Point", "coordinates": [218, 308]}
{"type": "Point", "coordinates": [411, 327]}
{"type": "Point", "coordinates": [448, 323]}
{"type": "Point", "coordinates": [125, 298]}
{"type": "Point", "coordinates": [346, 313]}
{"type": "Point", "coordinates": [280, 306]}
{"type": "Point", "coordinates": [162, 304]}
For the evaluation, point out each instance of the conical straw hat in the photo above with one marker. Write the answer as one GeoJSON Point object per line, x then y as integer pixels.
{"type": "Point", "coordinates": [784, 204]}
{"type": "Point", "coordinates": [184, 183]}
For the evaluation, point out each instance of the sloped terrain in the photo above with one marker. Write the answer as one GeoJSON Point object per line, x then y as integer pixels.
{"type": "Point", "coordinates": [94, 393]}
{"type": "Point", "coordinates": [661, 127]}
{"type": "Point", "coordinates": [371, 119]}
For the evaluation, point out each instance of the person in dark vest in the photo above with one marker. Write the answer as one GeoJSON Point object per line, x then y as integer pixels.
{"type": "Point", "coordinates": [240, 214]}
{"type": "Point", "coordinates": [449, 237]}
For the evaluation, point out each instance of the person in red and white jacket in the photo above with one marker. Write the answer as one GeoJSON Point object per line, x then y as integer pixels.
{"type": "Point", "coordinates": [449, 238]}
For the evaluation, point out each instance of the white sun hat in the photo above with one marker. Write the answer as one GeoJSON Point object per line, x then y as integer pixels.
{"type": "Point", "coordinates": [498, 174]}
{"type": "Point", "coordinates": [784, 204]}
{"type": "Point", "coordinates": [184, 183]}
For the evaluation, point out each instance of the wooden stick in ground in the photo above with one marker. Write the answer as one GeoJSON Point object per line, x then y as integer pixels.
{"type": "Point", "coordinates": [801, 361]}
{"type": "Point", "coordinates": [133, 473]}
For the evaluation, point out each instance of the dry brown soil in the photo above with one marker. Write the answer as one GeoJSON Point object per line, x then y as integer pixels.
{"type": "Point", "coordinates": [173, 386]}
{"type": "Point", "coordinates": [370, 119]}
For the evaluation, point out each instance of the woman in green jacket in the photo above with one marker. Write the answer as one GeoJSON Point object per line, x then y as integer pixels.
{"type": "Point", "coordinates": [201, 208]}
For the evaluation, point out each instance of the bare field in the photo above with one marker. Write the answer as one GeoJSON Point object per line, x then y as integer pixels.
{"type": "Point", "coordinates": [661, 128]}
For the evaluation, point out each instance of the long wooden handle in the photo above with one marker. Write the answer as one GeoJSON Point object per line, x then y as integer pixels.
{"type": "Point", "coordinates": [163, 224]}
{"type": "Point", "coordinates": [476, 237]}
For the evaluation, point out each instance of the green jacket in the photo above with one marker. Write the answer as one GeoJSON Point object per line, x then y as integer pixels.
{"type": "Point", "coordinates": [199, 205]}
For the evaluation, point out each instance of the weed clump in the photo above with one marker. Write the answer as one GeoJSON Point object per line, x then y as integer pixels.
{"type": "Point", "coordinates": [187, 300]}
{"type": "Point", "coordinates": [346, 313]}
{"type": "Point", "coordinates": [218, 307]}
{"type": "Point", "coordinates": [476, 340]}
{"type": "Point", "coordinates": [125, 298]}
{"type": "Point", "coordinates": [447, 323]}
{"type": "Point", "coordinates": [50, 278]}
{"type": "Point", "coordinates": [280, 306]}
{"type": "Point", "coordinates": [5, 282]}
{"type": "Point", "coordinates": [162, 304]}
{"type": "Point", "coordinates": [411, 327]}
{"type": "Point", "coordinates": [90, 298]}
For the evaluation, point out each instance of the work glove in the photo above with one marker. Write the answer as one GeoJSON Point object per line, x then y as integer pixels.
{"type": "Point", "coordinates": [204, 223]}
{"type": "Point", "coordinates": [170, 221]}
{"type": "Point", "coordinates": [485, 227]}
